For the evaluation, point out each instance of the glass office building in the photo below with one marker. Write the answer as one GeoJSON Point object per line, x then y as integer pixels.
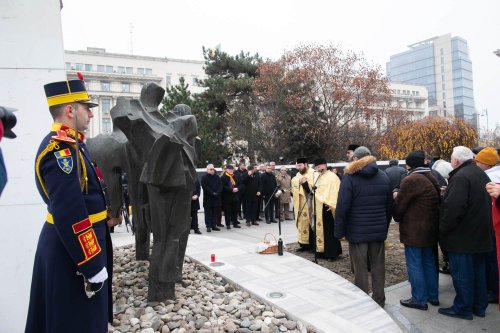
{"type": "Point", "coordinates": [443, 65]}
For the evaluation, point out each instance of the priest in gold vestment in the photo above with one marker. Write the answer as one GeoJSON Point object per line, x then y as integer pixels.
{"type": "Point", "coordinates": [302, 204]}
{"type": "Point", "coordinates": [325, 188]}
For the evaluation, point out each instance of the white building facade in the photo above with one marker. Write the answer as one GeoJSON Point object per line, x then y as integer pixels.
{"type": "Point", "coordinates": [112, 75]}
{"type": "Point", "coordinates": [412, 98]}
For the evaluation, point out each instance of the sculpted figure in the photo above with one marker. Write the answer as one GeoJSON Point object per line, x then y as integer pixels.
{"type": "Point", "coordinates": [160, 157]}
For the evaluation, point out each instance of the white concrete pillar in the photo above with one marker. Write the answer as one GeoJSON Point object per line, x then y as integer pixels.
{"type": "Point", "coordinates": [31, 55]}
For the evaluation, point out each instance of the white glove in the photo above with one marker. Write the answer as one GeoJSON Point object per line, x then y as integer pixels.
{"type": "Point", "coordinates": [99, 277]}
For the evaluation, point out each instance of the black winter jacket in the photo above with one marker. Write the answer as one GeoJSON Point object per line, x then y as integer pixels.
{"type": "Point", "coordinates": [364, 204]}
{"type": "Point", "coordinates": [466, 225]}
{"type": "Point", "coordinates": [268, 183]}
{"type": "Point", "coordinates": [212, 188]}
{"type": "Point", "coordinates": [228, 196]}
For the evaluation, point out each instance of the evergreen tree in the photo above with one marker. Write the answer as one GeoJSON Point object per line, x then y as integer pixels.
{"type": "Point", "coordinates": [178, 94]}
{"type": "Point", "coordinates": [228, 90]}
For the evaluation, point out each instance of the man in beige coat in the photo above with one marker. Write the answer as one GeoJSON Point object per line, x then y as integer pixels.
{"type": "Point", "coordinates": [284, 182]}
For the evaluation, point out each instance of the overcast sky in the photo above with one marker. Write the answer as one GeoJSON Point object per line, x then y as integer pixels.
{"type": "Point", "coordinates": [378, 29]}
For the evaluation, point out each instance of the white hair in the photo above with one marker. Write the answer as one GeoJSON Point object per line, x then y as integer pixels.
{"type": "Point", "coordinates": [210, 166]}
{"type": "Point", "coordinates": [462, 154]}
{"type": "Point", "coordinates": [444, 168]}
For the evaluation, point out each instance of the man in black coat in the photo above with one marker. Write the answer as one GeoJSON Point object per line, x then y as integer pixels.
{"type": "Point", "coordinates": [239, 174]}
{"type": "Point", "coordinates": [363, 215]}
{"type": "Point", "coordinates": [230, 192]}
{"type": "Point", "coordinates": [269, 185]}
{"type": "Point", "coordinates": [395, 173]}
{"type": "Point", "coordinates": [195, 206]}
{"type": "Point", "coordinates": [212, 188]}
{"type": "Point", "coordinates": [253, 189]}
{"type": "Point", "coordinates": [466, 231]}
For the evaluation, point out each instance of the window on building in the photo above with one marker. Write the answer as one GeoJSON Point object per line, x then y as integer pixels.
{"type": "Point", "coordinates": [417, 93]}
{"type": "Point", "coordinates": [68, 65]}
{"type": "Point", "coordinates": [444, 95]}
{"type": "Point", "coordinates": [140, 70]}
{"type": "Point", "coordinates": [101, 68]}
{"type": "Point", "coordinates": [442, 78]}
{"type": "Point", "coordinates": [129, 70]}
{"type": "Point", "coordinates": [168, 80]}
{"type": "Point", "coordinates": [125, 87]}
{"type": "Point", "coordinates": [109, 69]}
{"type": "Point", "coordinates": [444, 104]}
{"type": "Point", "coordinates": [79, 67]}
{"type": "Point", "coordinates": [106, 125]}
{"type": "Point", "coordinates": [194, 82]}
{"type": "Point", "coordinates": [121, 69]}
{"type": "Point", "coordinates": [105, 86]}
{"type": "Point", "coordinates": [149, 71]}
{"type": "Point", "coordinates": [442, 69]}
{"type": "Point", "coordinates": [105, 105]}
{"type": "Point", "coordinates": [88, 67]}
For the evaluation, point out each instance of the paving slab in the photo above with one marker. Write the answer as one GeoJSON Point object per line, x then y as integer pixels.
{"type": "Point", "coordinates": [312, 294]}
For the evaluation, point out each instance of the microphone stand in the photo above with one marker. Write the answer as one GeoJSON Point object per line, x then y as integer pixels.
{"type": "Point", "coordinates": [271, 197]}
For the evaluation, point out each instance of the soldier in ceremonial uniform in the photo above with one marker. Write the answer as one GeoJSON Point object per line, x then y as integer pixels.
{"type": "Point", "coordinates": [302, 204]}
{"type": "Point", "coordinates": [71, 283]}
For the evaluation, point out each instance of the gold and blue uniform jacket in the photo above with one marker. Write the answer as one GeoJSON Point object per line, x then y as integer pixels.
{"type": "Point", "coordinates": [74, 238]}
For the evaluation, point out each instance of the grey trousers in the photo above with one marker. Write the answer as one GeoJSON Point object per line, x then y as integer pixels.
{"type": "Point", "coordinates": [375, 251]}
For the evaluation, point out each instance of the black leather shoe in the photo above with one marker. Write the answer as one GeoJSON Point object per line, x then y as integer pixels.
{"type": "Point", "coordinates": [409, 303]}
{"type": "Point", "coordinates": [255, 223]}
{"type": "Point", "coordinates": [197, 231]}
{"type": "Point", "coordinates": [228, 227]}
{"type": "Point", "coordinates": [302, 249]}
{"type": "Point", "coordinates": [274, 221]}
{"type": "Point", "coordinates": [268, 222]}
{"type": "Point", "coordinates": [480, 315]}
{"type": "Point", "coordinates": [216, 229]}
{"type": "Point", "coordinates": [249, 224]}
{"type": "Point", "coordinates": [451, 313]}
{"type": "Point", "coordinates": [209, 229]}
{"type": "Point", "coordinates": [236, 226]}
{"type": "Point", "coordinates": [434, 302]}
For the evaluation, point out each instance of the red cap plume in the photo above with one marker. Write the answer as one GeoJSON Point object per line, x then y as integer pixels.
{"type": "Point", "coordinates": [80, 75]}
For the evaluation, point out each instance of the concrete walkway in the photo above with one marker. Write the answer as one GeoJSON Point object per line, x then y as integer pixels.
{"type": "Point", "coordinates": [313, 294]}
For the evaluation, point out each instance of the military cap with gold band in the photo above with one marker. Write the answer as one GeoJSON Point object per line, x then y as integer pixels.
{"type": "Point", "coordinates": [65, 92]}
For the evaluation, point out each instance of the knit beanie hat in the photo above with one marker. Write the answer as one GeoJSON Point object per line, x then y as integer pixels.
{"type": "Point", "coordinates": [488, 156]}
{"type": "Point", "coordinates": [361, 152]}
{"type": "Point", "coordinates": [415, 159]}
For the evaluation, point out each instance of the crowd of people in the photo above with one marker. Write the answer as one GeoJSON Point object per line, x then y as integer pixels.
{"type": "Point", "coordinates": [451, 205]}
{"type": "Point", "coordinates": [242, 194]}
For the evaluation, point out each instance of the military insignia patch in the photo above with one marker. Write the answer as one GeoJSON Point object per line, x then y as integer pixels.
{"type": "Point", "coordinates": [89, 244]}
{"type": "Point", "coordinates": [64, 160]}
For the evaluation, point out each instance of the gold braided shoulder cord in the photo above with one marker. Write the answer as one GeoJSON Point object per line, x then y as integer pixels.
{"type": "Point", "coordinates": [53, 145]}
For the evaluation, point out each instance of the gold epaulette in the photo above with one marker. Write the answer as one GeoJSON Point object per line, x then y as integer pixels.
{"type": "Point", "coordinates": [53, 145]}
